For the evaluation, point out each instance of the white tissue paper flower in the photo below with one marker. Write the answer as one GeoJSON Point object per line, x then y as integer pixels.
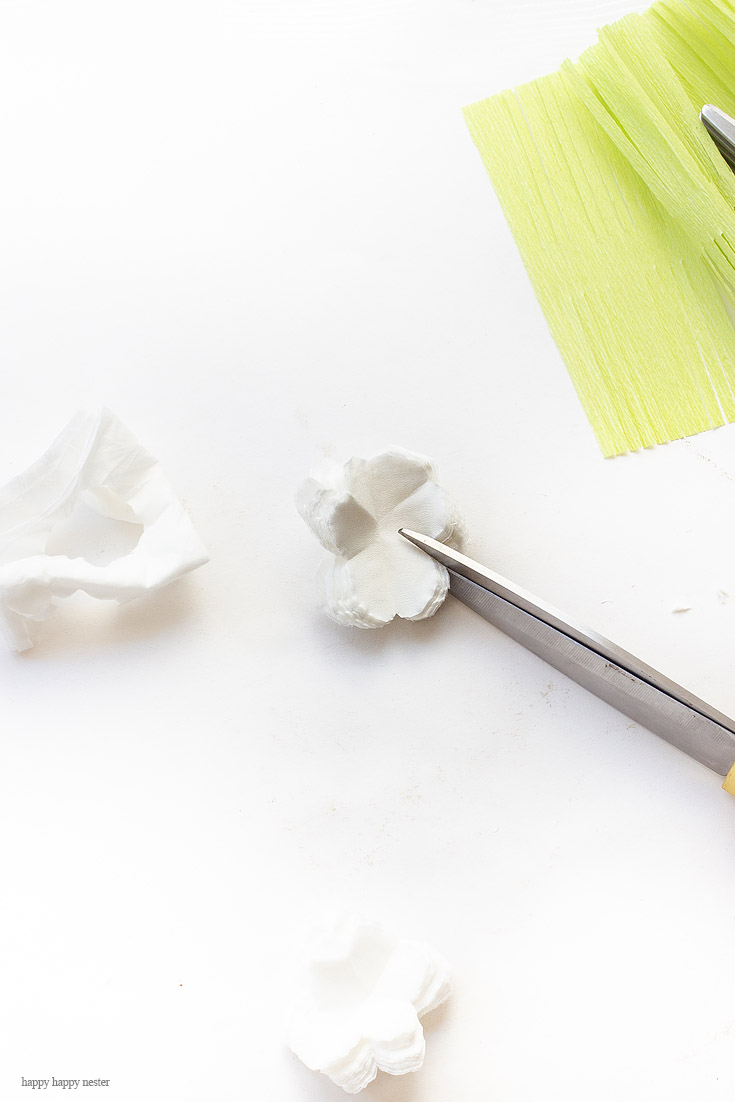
{"type": "Point", "coordinates": [361, 996]}
{"type": "Point", "coordinates": [95, 513]}
{"type": "Point", "coordinates": [355, 511]}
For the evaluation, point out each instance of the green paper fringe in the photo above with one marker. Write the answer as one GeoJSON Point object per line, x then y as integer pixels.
{"type": "Point", "coordinates": [624, 214]}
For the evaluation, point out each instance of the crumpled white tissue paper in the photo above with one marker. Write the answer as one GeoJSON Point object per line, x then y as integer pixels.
{"type": "Point", "coordinates": [355, 510]}
{"type": "Point", "coordinates": [359, 1001]}
{"type": "Point", "coordinates": [95, 473]}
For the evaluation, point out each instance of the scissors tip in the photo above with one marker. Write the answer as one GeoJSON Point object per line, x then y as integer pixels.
{"type": "Point", "coordinates": [418, 540]}
{"type": "Point", "coordinates": [721, 129]}
{"type": "Point", "coordinates": [441, 552]}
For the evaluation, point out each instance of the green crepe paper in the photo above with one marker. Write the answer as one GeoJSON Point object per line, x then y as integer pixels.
{"type": "Point", "coordinates": [624, 214]}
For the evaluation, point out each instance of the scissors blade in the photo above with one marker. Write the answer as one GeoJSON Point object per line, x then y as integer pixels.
{"type": "Point", "coordinates": [721, 129]}
{"type": "Point", "coordinates": [611, 673]}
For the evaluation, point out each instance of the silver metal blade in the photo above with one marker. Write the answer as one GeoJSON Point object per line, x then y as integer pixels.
{"type": "Point", "coordinates": [722, 131]}
{"type": "Point", "coordinates": [621, 679]}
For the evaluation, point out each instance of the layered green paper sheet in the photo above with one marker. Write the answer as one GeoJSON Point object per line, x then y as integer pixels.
{"type": "Point", "coordinates": [624, 213]}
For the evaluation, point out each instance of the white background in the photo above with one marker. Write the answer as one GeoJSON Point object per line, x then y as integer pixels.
{"type": "Point", "coordinates": [260, 233]}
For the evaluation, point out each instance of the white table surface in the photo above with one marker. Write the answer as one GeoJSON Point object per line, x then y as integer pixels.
{"type": "Point", "coordinates": [260, 233]}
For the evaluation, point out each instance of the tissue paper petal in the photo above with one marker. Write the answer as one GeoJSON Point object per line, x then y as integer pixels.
{"type": "Point", "coordinates": [355, 511]}
{"type": "Point", "coordinates": [383, 582]}
{"type": "Point", "coordinates": [382, 483]}
{"type": "Point", "coordinates": [95, 464]}
{"type": "Point", "coordinates": [340, 523]}
{"type": "Point", "coordinates": [358, 1006]}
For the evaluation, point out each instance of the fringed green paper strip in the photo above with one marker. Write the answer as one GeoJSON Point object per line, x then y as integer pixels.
{"type": "Point", "coordinates": [624, 214]}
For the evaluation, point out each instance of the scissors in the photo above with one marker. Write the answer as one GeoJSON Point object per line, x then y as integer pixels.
{"type": "Point", "coordinates": [721, 129]}
{"type": "Point", "coordinates": [608, 671]}
{"type": "Point", "coordinates": [621, 679]}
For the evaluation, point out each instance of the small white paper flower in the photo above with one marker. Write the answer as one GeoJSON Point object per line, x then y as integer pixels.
{"type": "Point", "coordinates": [355, 511]}
{"type": "Point", "coordinates": [358, 1007]}
{"type": "Point", "coordinates": [95, 513]}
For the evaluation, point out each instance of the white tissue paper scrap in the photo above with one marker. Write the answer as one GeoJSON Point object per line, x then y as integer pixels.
{"type": "Point", "coordinates": [95, 513]}
{"type": "Point", "coordinates": [355, 511]}
{"type": "Point", "coordinates": [358, 1005]}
